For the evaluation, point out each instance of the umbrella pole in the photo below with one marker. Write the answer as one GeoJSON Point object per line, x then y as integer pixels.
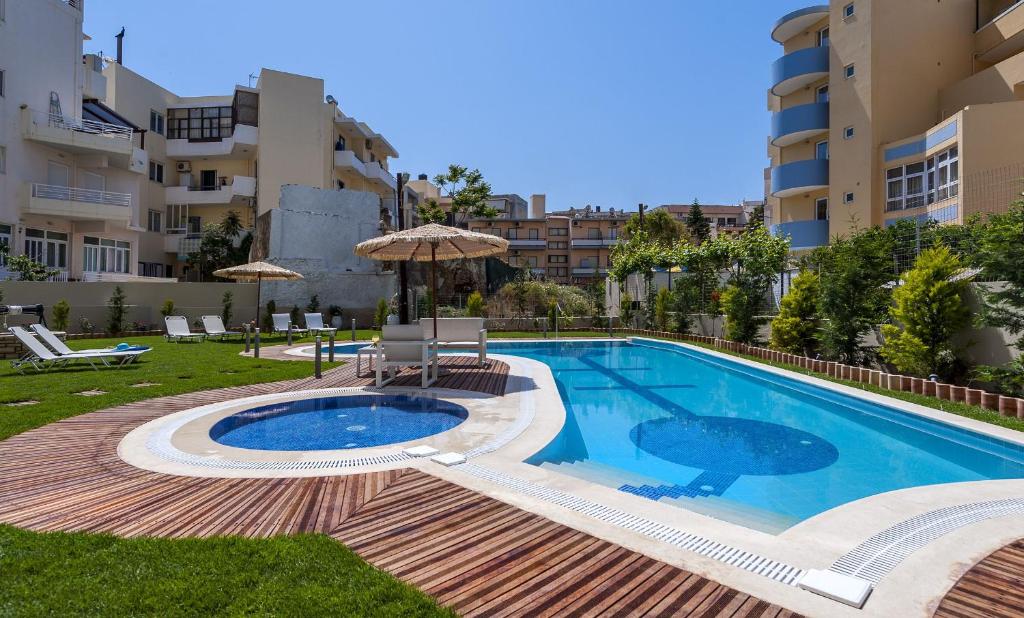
{"type": "Point", "coordinates": [433, 287]}
{"type": "Point", "coordinates": [259, 281]}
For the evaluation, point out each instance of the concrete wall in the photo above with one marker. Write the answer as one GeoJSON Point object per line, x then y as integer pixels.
{"type": "Point", "coordinates": [313, 232]}
{"type": "Point", "coordinates": [145, 300]}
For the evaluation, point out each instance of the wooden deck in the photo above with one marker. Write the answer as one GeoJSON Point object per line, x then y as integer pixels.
{"type": "Point", "coordinates": [474, 553]}
{"type": "Point", "coordinates": [993, 588]}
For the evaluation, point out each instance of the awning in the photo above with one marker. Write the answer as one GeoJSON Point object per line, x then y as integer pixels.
{"type": "Point", "coordinates": [94, 110]}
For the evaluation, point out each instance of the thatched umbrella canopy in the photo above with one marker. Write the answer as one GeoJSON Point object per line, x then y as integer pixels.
{"type": "Point", "coordinates": [431, 242]}
{"type": "Point", "coordinates": [258, 272]}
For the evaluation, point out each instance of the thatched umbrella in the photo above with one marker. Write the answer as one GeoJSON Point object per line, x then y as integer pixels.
{"type": "Point", "coordinates": [258, 272]}
{"type": "Point", "coordinates": [431, 242]}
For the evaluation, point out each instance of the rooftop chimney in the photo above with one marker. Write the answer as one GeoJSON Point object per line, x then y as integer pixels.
{"type": "Point", "coordinates": [538, 205]}
{"type": "Point", "coordinates": [120, 46]}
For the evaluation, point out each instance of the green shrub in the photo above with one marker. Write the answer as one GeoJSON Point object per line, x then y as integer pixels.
{"type": "Point", "coordinates": [314, 304]}
{"type": "Point", "coordinates": [475, 305]}
{"type": "Point", "coordinates": [61, 312]}
{"type": "Point", "coordinates": [293, 316]}
{"type": "Point", "coordinates": [380, 316]}
{"type": "Point", "coordinates": [167, 308]}
{"type": "Point", "coordinates": [795, 329]}
{"type": "Point", "coordinates": [661, 309]}
{"type": "Point", "coordinates": [227, 303]}
{"type": "Point", "coordinates": [117, 311]}
{"type": "Point", "coordinates": [740, 306]}
{"type": "Point", "coordinates": [626, 310]}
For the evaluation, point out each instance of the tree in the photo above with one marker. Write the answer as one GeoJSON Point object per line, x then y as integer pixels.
{"type": "Point", "coordinates": [626, 310]}
{"type": "Point", "coordinates": [659, 226]}
{"type": "Point", "coordinates": [795, 329]}
{"type": "Point", "coordinates": [61, 314]}
{"type": "Point", "coordinates": [754, 259]}
{"type": "Point", "coordinates": [662, 303]}
{"type": "Point", "coordinates": [697, 224]}
{"type": "Point", "coordinates": [928, 310]}
{"type": "Point", "coordinates": [221, 245]}
{"type": "Point", "coordinates": [380, 316]}
{"type": "Point", "coordinates": [27, 268]}
{"type": "Point", "coordinates": [117, 311]}
{"type": "Point", "coordinates": [685, 297]}
{"type": "Point", "coordinates": [467, 192]}
{"type": "Point", "coordinates": [227, 304]}
{"type": "Point", "coordinates": [756, 216]}
{"type": "Point", "coordinates": [853, 273]}
{"type": "Point", "coordinates": [475, 305]}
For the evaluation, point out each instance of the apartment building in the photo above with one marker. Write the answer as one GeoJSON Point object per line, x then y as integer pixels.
{"type": "Point", "coordinates": [72, 170]}
{"type": "Point", "coordinates": [723, 218]}
{"type": "Point", "coordinates": [105, 174]}
{"type": "Point", "coordinates": [894, 109]}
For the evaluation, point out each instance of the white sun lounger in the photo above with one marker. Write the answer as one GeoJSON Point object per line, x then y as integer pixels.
{"type": "Point", "coordinates": [41, 358]}
{"type": "Point", "coordinates": [315, 324]}
{"type": "Point", "coordinates": [214, 327]}
{"type": "Point", "coordinates": [281, 323]}
{"type": "Point", "coordinates": [404, 346]}
{"type": "Point", "coordinates": [177, 329]}
{"type": "Point", "coordinates": [62, 349]}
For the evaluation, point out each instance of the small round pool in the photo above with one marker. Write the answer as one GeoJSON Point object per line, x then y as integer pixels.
{"type": "Point", "coordinates": [330, 423]}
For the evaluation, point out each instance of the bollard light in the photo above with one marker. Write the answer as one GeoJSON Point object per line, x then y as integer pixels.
{"type": "Point", "coordinates": [353, 329]}
{"type": "Point", "coordinates": [248, 336]}
{"type": "Point", "coordinates": [256, 345]}
{"type": "Point", "coordinates": [317, 358]}
{"type": "Point", "coordinates": [330, 347]}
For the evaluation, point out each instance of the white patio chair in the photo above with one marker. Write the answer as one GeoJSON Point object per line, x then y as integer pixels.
{"type": "Point", "coordinates": [315, 324]}
{"type": "Point", "coordinates": [177, 329]}
{"type": "Point", "coordinates": [213, 325]}
{"type": "Point", "coordinates": [41, 358]}
{"type": "Point", "coordinates": [62, 349]}
{"type": "Point", "coordinates": [282, 322]}
{"type": "Point", "coordinates": [459, 334]}
{"type": "Point", "coordinates": [404, 346]}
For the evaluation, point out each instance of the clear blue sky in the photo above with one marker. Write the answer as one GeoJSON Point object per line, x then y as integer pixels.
{"type": "Point", "coordinates": [588, 101]}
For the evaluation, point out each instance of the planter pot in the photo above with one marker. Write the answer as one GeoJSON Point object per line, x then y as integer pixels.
{"type": "Point", "coordinates": [894, 382]}
{"type": "Point", "coordinates": [973, 396]}
{"type": "Point", "coordinates": [958, 393]}
{"type": "Point", "coordinates": [943, 391]}
{"type": "Point", "coordinates": [1020, 409]}
{"type": "Point", "coordinates": [917, 386]}
{"type": "Point", "coordinates": [990, 401]}
{"type": "Point", "coordinates": [1007, 406]}
{"type": "Point", "coordinates": [929, 388]}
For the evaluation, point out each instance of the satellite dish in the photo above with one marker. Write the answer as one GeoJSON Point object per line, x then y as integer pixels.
{"type": "Point", "coordinates": [331, 99]}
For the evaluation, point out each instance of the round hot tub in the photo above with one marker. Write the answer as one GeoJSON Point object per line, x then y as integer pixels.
{"type": "Point", "coordinates": [329, 423]}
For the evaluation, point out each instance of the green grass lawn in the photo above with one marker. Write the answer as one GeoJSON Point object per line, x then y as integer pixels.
{"type": "Point", "coordinates": [60, 574]}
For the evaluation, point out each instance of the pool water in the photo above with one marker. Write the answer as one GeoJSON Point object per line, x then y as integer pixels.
{"type": "Point", "coordinates": [738, 443]}
{"type": "Point", "coordinates": [329, 423]}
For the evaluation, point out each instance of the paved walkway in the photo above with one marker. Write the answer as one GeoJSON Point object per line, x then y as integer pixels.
{"type": "Point", "coordinates": [474, 553]}
{"type": "Point", "coordinates": [993, 588]}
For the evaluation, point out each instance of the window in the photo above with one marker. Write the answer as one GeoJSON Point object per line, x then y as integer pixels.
{"type": "Point", "coordinates": [821, 150]}
{"type": "Point", "coordinates": [561, 271]}
{"type": "Point", "coordinates": [156, 172]}
{"type": "Point", "coordinates": [2, 75]}
{"type": "Point", "coordinates": [823, 37]}
{"type": "Point", "coordinates": [731, 222]}
{"type": "Point", "coordinates": [848, 11]}
{"type": "Point", "coordinates": [199, 123]}
{"type": "Point", "coordinates": [534, 234]}
{"type": "Point", "coordinates": [925, 182]}
{"type": "Point", "coordinates": [47, 248]}
{"type": "Point", "coordinates": [532, 261]}
{"type": "Point", "coordinates": [849, 71]}
{"type": "Point", "coordinates": [821, 209]}
{"type": "Point", "coordinates": [177, 218]}
{"type": "Point", "coordinates": [589, 262]}
{"type": "Point", "coordinates": [103, 255]}
{"type": "Point", "coordinates": [721, 222]}
{"type": "Point", "coordinates": [848, 198]}
{"type": "Point", "coordinates": [3, 159]}
{"type": "Point", "coordinates": [822, 94]}
{"type": "Point", "coordinates": [477, 230]}
{"type": "Point", "coordinates": [848, 133]}
{"type": "Point", "coordinates": [156, 122]}
{"type": "Point", "coordinates": [558, 259]}
{"type": "Point", "coordinates": [556, 244]}
{"type": "Point", "coordinates": [594, 233]}
{"type": "Point", "coordinates": [5, 240]}
{"type": "Point", "coordinates": [512, 234]}
{"type": "Point", "coordinates": [558, 231]}
{"type": "Point", "coordinates": [155, 219]}
{"type": "Point", "coordinates": [340, 144]}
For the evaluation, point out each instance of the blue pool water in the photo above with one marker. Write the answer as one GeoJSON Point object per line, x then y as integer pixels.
{"type": "Point", "coordinates": [328, 423]}
{"type": "Point", "coordinates": [739, 443]}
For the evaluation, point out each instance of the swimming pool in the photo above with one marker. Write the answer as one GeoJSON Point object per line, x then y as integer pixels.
{"type": "Point", "coordinates": [738, 443]}
{"type": "Point", "coordinates": [329, 423]}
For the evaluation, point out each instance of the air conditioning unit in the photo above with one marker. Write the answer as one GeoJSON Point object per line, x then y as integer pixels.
{"type": "Point", "coordinates": [184, 166]}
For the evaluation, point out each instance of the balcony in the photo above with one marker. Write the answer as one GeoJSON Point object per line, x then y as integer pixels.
{"type": "Point", "coordinates": [347, 160]}
{"type": "Point", "coordinates": [803, 234]}
{"type": "Point", "coordinates": [590, 243]}
{"type": "Point", "coordinates": [95, 84]}
{"type": "Point", "coordinates": [240, 187]}
{"type": "Point", "coordinates": [798, 70]}
{"type": "Point", "coordinates": [241, 145]}
{"type": "Point", "coordinates": [589, 271]}
{"type": "Point", "coordinates": [796, 124]}
{"type": "Point", "coordinates": [527, 243]}
{"type": "Point", "coordinates": [380, 177]}
{"type": "Point", "coordinates": [113, 143]}
{"type": "Point", "coordinates": [798, 21]}
{"type": "Point", "coordinates": [799, 177]}
{"type": "Point", "coordinates": [1002, 35]}
{"type": "Point", "coordinates": [79, 204]}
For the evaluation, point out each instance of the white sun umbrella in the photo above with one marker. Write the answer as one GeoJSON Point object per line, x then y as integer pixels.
{"type": "Point", "coordinates": [258, 272]}
{"type": "Point", "coordinates": [431, 242]}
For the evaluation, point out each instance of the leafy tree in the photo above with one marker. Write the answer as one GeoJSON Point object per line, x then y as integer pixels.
{"type": "Point", "coordinates": [467, 191]}
{"type": "Point", "coordinates": [27, 268]}
{"type": "Point", "coordinates": [754, 260]}
{"type": "Point", "coordinates": [685, 297]}
{"type": "Point", "coordinates": [117, 311]}
{"type": "Point", "coordinates": [293, 316]}
{"type": "Point", "coordinates": [853, 273]}
{"type": "Point", "coordinates": [380, 316]}
{"type": "Point", "coordinates": [227, 305]}
{"type": "Point", "coordinates": [795, 329]}
{"type": "Point", "coordinates": [221, 246]}
{"type": "Point", "coordinates": [314, 304]}
{"type": "Point", "coordinates": [756, 216]}
{"type": "Point", "coordinates": [698, 226]}
{"type": "Point", "coordinates": [626, 309]}
{"type": "Point", "coordinates": [662, 305]}
{"type": "Point", "coordinates": [168, 308]}
{"type": "Point", "coordinates": [928, 310]}
{"type": "Point", "coordinates": [659, 226]}
{"type": "Point", "coordinates": [61, 313]}
{"type": "Point", "coordinates": [475, 305]}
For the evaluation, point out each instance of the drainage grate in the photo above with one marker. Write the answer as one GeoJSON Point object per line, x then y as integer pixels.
{"type": "Point", "coordinates": [876, 557]}
{"type": "Point", "coordinates": [745, 560]}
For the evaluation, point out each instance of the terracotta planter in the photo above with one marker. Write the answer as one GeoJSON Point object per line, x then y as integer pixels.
{"type": "Point", "coordinates": [906, 383]}
{"type": "Point", "coordinates": [894, 382]}
{"type": "Point", "coordinates": [929, 388]}
{"type": "Point", "coordinates": [958, 393]}
{"type": "Point", "coordinates": [875, 378]}
{"type": "Point", "coordinates": [942, 391]}
{"type": "Point", "coordinates": [1007, 406]}
{"type": "Point", "coordinates": [1020, 409]}
{"type": "Point", "coordinates": [917, 386]}
{"type": "Point", "coordinates": [990, 401]}
{"type": "Point", "coordinates": [973, 396]}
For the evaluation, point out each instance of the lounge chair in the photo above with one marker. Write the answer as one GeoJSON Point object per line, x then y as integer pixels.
{"type": "Point", "coordinates": [404, 346]}
{"type": "Point", "coordinates": [177, 329]}
{"type": "Point", "coordinates": [41, 358]}
{"type": "Point", "coordinates": [315, 324]}
{"type": "Point", "coordinates": [214, 327]}
{"type": "Point", "coordinates": [459, 334]}
{"type": "Point", "coordinates": [282, 322]}
{"type": "Point", "coordinates": [61, 348]}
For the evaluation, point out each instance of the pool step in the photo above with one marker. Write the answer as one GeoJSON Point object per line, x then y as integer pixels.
{"type": "Point", "coordinates": [600, 473]}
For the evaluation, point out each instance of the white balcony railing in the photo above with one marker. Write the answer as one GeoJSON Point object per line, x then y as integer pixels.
{"type": "Point", "coordinates": [75, 194]}
{"type": "Point", "coordinates": [82, 126]}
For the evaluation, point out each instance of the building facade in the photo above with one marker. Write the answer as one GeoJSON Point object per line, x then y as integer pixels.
{"type": "Point", "coordinates": [894, 109]}
{"type": "Point", "coordinates": [723, 218]}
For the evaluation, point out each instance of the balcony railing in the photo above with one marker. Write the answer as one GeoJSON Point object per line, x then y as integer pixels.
{"type": "Point", "coordinates": [75, 194]}
{"type": "Point", "coordinates": [82, 126]}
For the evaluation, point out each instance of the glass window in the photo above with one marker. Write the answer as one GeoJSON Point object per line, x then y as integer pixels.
{"type": "Point", "coordinates": [512, 234]}
{"type": "Point", "coordinates": [156, 172]}
{"type": "Point", "coordinates": [848, 198]}
{"type": "Point", "coordinates": [823, 37]}
{"type": "Point", "coordinates": [558, 259]}
{"type": "Point", "coordinates": [821, 209]}
{"type": "Point", "coordinates": [534, 234]}
{"type": "Point", "coordinates": [849, 71]}
{"type": "Point", "coordinates": [200, 123]}
{"type": "Point", "coordinates": [554, 244]}
{"type": "Point", "coordinates": [822, 94]}
{"type": "Point", "coordinates": [848, 133]}
{"type": "Point", "coordinates": [558, 231]}
{"type": "Point", "coordinates": [5, 242]}
{"type": "Point", "coordinates": [104, 255]}
{"type": "Point", "coordinates": [594, 233]}
{"type": "Point", "coordinates": [848, 11]}
{"type": "Point", "coordinates": [1, 82]}
{"type": "Point", "coordinates": [156, 122]}
{"type": "Point", "coordinates": [821, 150]}
{"type": "Point", "coordinates": [3, 159]}
{"type": "Point", "coordinates": [155, 220]}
